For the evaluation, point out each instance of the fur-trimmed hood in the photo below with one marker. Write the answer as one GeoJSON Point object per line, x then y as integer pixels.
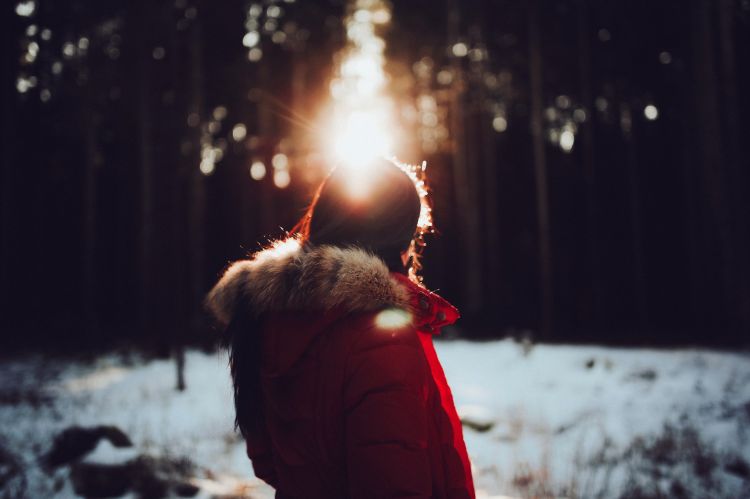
{"type": "Point", "coordinates": [288, 277]}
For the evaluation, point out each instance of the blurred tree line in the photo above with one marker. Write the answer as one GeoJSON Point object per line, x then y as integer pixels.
{"type": "Point", "coordinates": [588, 161]}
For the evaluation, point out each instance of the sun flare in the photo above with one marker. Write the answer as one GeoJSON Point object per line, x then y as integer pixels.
{"type": "Point", "coordinates": [362, 138]}
{"type": "Point", "coordinates": [361, 125]}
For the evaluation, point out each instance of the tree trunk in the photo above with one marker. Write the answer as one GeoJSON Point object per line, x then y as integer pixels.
{"type": "Point", "coordinates": [589, 166]}
{"type": "Point", "coordinates": [145, 126]}
{"type": "Point", "coordinates": [267, 132]}
{"type": "Point", "coordinates": [197, 186]}
{"type": "Point", "coordinates": [89, 294]}
{"type": "Point", "coordinates": [736, 174]}
{"type": "Point", "coordinates": [639, 274]}
{"type": "Point", "coordinates": [467, 199]}
{"type": "Point", "coordinates": [715, 173]}
{"type": "Point", "coordinates": [8, 90]}
{"type": "Point", "coordinates": [540, 172]}
{"type": "Point", "coordinates": [489, 168]}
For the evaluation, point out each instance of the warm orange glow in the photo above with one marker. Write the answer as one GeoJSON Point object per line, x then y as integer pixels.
{"type": "Point", "coordinates": [361, 138]}
{"type": "Point", "coordinates": [360, 130]}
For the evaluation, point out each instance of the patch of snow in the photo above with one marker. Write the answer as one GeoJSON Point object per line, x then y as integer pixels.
{"type": "Point", "coordinates": [559, 417]}
{"type": "Point", "coordinates": [95, 380]}
{"type": "Point", "coordinates": [558, 407]}
{"type": "Point", "coordinates": [106, 453]}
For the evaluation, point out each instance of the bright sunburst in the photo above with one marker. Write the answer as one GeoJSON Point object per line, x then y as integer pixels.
{"type": "Point", "coordinates": [361, 128]}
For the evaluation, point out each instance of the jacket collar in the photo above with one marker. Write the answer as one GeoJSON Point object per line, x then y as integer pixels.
{"type": "Point", "coordinates": [431, 311]}
{"type": "Point", "coordinates": [288, 276]}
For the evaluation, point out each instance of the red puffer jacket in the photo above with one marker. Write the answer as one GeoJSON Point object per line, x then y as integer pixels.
{"type": "Point", "coordinates": [355, 401]}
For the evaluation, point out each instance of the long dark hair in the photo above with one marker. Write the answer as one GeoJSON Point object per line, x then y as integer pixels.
{"type": "Point", "coordinates": [242, 340]}
{"type": "Point", "coordinates": [383, 222]}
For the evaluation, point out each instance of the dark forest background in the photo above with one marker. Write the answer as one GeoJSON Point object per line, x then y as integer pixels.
{"type": "Point", "coordinates": [589, 160]}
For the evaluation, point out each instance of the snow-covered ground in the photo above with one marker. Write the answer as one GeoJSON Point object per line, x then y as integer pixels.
{"type": "Point", "coordinates": [590, 421]}
{"type": "Point", "coordinates": [567, 421]}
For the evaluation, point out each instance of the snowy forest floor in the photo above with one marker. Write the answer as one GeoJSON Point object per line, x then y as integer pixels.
{"type": "Point", "coordinates": [540, 421]}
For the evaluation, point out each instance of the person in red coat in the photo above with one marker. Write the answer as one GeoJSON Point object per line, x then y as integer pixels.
{"type": "Point", "coordinates": [338, 390]}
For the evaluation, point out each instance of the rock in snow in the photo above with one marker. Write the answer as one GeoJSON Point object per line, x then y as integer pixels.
{"type": "Point", "coordinates": [75, 442]}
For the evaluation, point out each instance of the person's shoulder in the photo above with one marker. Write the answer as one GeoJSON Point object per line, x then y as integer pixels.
{"type": "Point", "coordinates": [384, 343]}
{"type": "Point", "coordinates": [385, 354]}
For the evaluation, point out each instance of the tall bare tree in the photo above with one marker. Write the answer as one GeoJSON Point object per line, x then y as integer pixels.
{"type": "Point", "coordinates": [464, 176]}
{"type": "Point", "coordinates": [720, 177]}
{"type": "Point", "coordinates": [589, 161]}
{"type": "Point", "coordinates": [8, 49]}
{"type": "Point", "coordinates": [139, 29]}
{"type": "Point", "coordinates": [540, 171]}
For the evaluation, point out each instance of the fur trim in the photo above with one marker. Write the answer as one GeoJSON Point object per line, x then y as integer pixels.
{"type": "Point", "coordinates": [288, 277]}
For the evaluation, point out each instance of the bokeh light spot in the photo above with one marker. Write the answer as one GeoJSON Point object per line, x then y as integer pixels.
{"type": "Point", "coordinates": [651, 112]}
{"type": "Point", "coordinates": [257, 170]}
{"type": "Point", "coordinates": [393, 318]}
{"type": "Point", "coordinates": [281, 178]}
